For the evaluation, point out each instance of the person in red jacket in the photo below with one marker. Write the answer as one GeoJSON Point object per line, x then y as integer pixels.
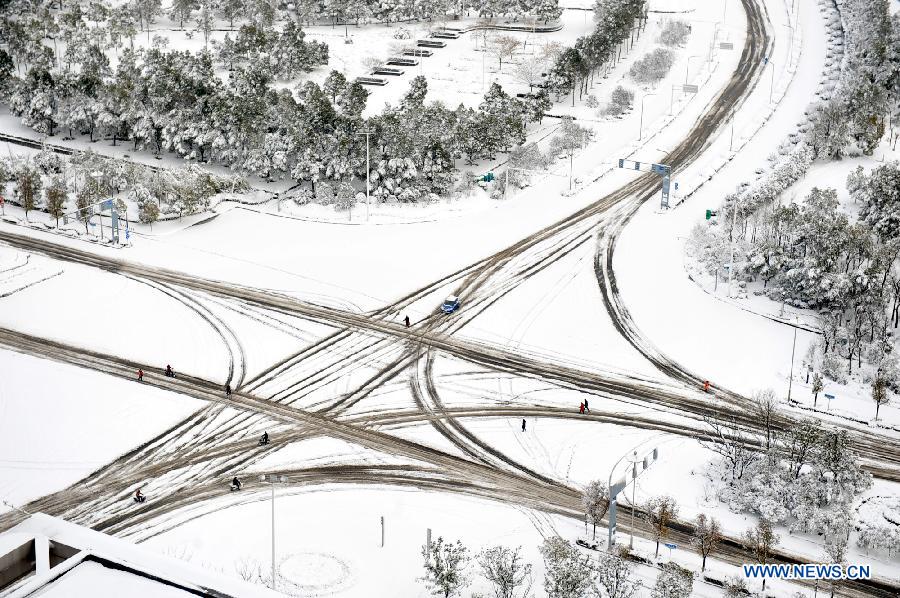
{"type": "Point", "coordinates": [140, 375]}
{"type": "Point", "coordinates": [706, 386]}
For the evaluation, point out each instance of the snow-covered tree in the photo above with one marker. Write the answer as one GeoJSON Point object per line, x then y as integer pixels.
{"type": "Point", "coordinates": [620, 100]}
{"type": "Point", "coordinates": [652, 67]}
{"type": "Point", "coordinates": [568, 572]}
{"type": "Point", "coordinates": [506, 572]}
{"type": "Point", "coordinates": [148, 213]}
{"type": "Point", "coordinates": [595, 501]}
{"type": "Point", "coordinates": [673, 581]}
{"type": "Point", "coordinates": [674, 33]}
{"type": "Point", "coordinates": [205, 21]}
{"type": "Point", "coordinates": [445, 565]}
{"type": "Point", "coordinates": [182, 10]}
{"type": "Point", "coordinates": [613, 577]}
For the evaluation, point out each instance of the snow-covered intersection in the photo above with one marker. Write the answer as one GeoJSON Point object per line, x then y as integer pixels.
{"type": "Point", "coordinates": [389, 421]}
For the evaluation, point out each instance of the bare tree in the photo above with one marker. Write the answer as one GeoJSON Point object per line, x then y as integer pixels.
{"type": "Point", "coordinates": [504, 569]}
{"type": "Point", "coordinates": [595, 500]}
{"type": "Point", "coordinates": [445, 565]}
{"type": "Point", "coordinates": [707, 536]}
{"type": "Point", "coordinates": [761, 540]}
{"type": "Point", "coordinates": [836, 551]}
{"type": "Point", "coordinates": [765, 405]}
{"type": "Point", "coordinates": [529, 72]}
{"type": "Point", "coordinates": [571, 138]}
{"type": "Point", "coordinates": [661, 510]}
{"type": "Point", "coordinates": [732, 443]}
{"type": "Point", "coordinates": [503, 46]}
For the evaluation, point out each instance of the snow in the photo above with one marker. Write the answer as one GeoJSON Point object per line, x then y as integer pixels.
{"type": "Point", "coordinates": [93, 579]}
{"type": "Point", "coordinates": [58, 423]}
{"type": "Point", "coordinates": [329, 537]}
{"type": "Point", "coordinates": [680, 318]}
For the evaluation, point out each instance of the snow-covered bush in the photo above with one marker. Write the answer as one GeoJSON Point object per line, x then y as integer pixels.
{"type": "Point", "coordinates": [674, 33]}
{"type": "Point", "coordinates": [653, 67]}
{"type": "Point", "coordinates": [620, 100]}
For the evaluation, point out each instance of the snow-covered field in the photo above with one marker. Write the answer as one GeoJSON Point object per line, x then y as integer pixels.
{"type": "Point", "coordinates": [58, 422]}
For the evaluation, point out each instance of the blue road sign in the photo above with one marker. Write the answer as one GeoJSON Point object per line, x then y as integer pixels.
{"type": "Point", "coordinates": [671, 546]}
{"type": "Point", "coordinates": [829, 397]}
{"type": "Point", "coordinates": [107, 205]}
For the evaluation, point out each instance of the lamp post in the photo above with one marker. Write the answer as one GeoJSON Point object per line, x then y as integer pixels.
{"type": "Point", "coordinates": [772, 81]}
{"type": "Point", "coordinates": [272, 480]}
{"type": "Point", "coordinates": [790, 43]}
{"type": "Point", "coordinates": [641, 130]}
{"type": "Point", "coordinates": [368, 132]}
{"type": "Point", "coordinates": [688, 66]}
{"type": "Point", "coordinates": [793, 350]}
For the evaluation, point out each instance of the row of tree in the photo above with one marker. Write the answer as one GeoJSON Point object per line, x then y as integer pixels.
{"type": "Point", "coordinates": [570, 572]}
{"type": "Point", "coordinates": [72, 185]}
{"type": "Point", "coordinates": [614, 22]}
{"type": "Point", "coordinates": [387, 11]}
{"type": "Point", "coordinates": [813, 254]}
{"type": "Point", "coordinates": [869, 90]}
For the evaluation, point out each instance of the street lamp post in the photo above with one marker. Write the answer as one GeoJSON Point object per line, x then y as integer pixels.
{"type": "Point", "coordinates": [368, 132]}
{"type": "Point", "coordinates": [793, 351]}
{"type": "Point", "coordinates": [641, 130]}
{"type": "Point", "coordinates": [272, 480]}
{"type": "Point", "coordinates": [688, 66]}
{"type": "Point", "coordinates": [772, 81]}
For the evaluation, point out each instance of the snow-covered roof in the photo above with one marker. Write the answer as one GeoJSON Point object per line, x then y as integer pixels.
{"type": "Point", "coordinates": [103, 565]}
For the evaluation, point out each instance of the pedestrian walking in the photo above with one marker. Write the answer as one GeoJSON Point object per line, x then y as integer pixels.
{"type": "Point", "coordinates": [140, 375]}
{"type": "Point", "coordinates": [581, 408]}
{"type": "Point", "coordinates": [586, 408]}
{"type": "Point", "coordinates": [706, 386]}
{"type": "Point", "coordinates": [406, 321]}
{"type": "Point", "coordinates": [227, 389]}
{"type": "Point", "coordinates": [523, 425]}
